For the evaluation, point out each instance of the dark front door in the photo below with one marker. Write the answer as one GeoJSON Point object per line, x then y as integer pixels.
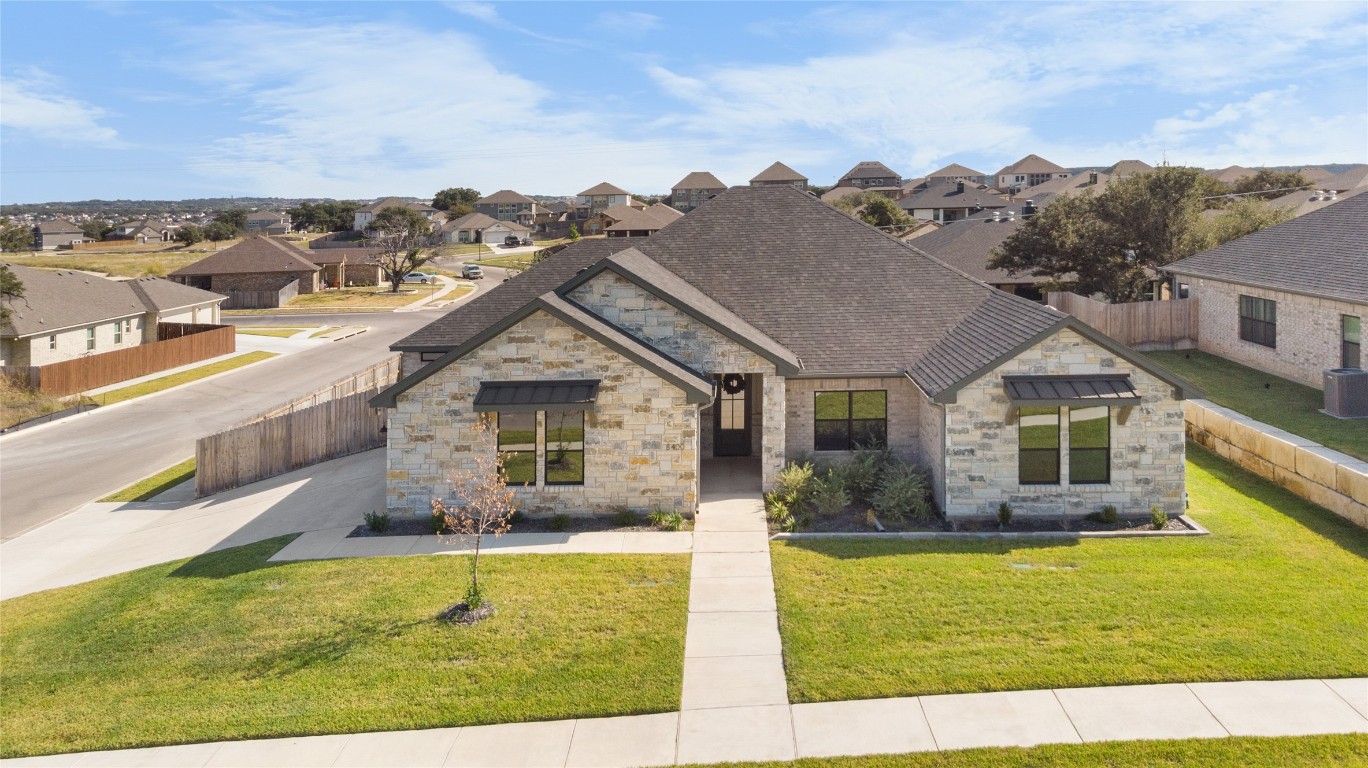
{"type": "Point", "coordinates": [731, 417]}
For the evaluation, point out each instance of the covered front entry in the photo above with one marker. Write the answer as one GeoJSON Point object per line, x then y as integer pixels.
{"type": "Point", "coordinates": [731, 437]}
{"type": "Point", "coordinates": [732, 419]}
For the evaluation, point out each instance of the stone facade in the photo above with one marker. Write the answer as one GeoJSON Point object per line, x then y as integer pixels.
{"type": "Point", "coordinates": [904, 414]}
{"type": "Point", "coordinates": [981, 448]}
{"type": "Point", "coordinates": [1308, 330]}
{"type": "Point", "coordinates": [640, 441]}
{"type": "Point", "coordinates": [263, 281]}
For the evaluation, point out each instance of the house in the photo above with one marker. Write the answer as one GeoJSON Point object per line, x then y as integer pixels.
{"type": "Point", "coordinates": [1230, 174]}
{"type": "Point", "coordinates": [363, 216]}
{"type": "Point", "coordinates": [342, 267]}
{"type": "Point", "coordinates": [496, 233]}
{"type": "Point", "coordinates": [601, 197]}
{"type": "Point", "coordinates": [1028, 172]}
{"type": "Point", "coordinates": [1126, 168]}
{"type": "Point", "coordinates": [1090, 183]}
{"type": "Point", "coordinates": [951, 201]}
{"type": "Point", "coordinates": [142, 231]}
{"type": "Point", "coordinates": [955, 172]}
{"type": "Point", "coordinates": [51, 235]}
{"type": "Point", "coordinates": [64, 314]}
{"type": "Point", "coordinates": [780, 175]}
{"type": "Point", "coordinates": [870, 174]}
{"type": "Point", "coordinates": [632, 373]}
{"type": "Point", "coordinates": [270, 222]}
{"type": "Point", "coordinates": [257, 266]}
{"type": "Point", "coordinates": [692, 190]}
{"type": "Point", "coordinates": [1291, 299]}
{"type": "Point", "coordinates": [968, 244]}
{"type": "Point", "coordinates": [635, 223]}
{"type": "Point", "coordinates": [1327, 191]}
{"type": "Point", "coordinates": [507, 205]}
{"type": "Point", "coordinates": [468, 229]}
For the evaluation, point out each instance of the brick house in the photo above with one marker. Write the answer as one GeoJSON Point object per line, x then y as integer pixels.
{"type": "Point", "coordinates": [625, 373]}
{"type": "Point", "coordinates": [1291, 299]}
{"type": "Point", "coordinates": [947, 201]}
{"type": "Point", "coordinates": [692, 190]}
{"type": "Point", "coordinates": [258, 264]}
{"type": "Point", "coordinates": [780, 175]}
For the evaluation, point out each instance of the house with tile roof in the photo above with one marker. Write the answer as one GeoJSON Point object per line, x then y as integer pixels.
{"type": "Point", "coordinates": [65, 314]}
{"type": "Point", "coordinates": [1290, 299]}
{"type": "Point", "coordinates": [250, 270]}
{"type": "Point", "coordinates": [690, 192]}
{"type": "Point", "coordinates": [507, 205]}
{"type": "Point", "coordinates": [779, 175]}
{"type": "Point", "coordinates": [870, 174]}
{"type": "Point", "coordinates": [51, 235]}
{"type": "Point", "coordinates": [630, 372]}
{"type": "Point", "coordinates": [1028, 172]}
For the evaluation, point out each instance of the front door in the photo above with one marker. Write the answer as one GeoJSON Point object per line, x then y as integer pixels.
{"type": "Point", "coordinates": [731, 416]}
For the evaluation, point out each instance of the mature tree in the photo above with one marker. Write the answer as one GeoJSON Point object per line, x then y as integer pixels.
{"type": "Point", "coordinates": [189, 234]}
{"type": "Point", "coordinates": [401, 234]}
{"type": "Point", "coordinates": [237, 219]}
{"type": "Point", "coordinates": [876, 210]}
{"type": "Point", "coordinates": [96, 229]}
{"type": "Point", "coordinates": [483, 506]}
{"type": "Point", "coordinates": [1243, 217]}
{"type": "Point", "coordinates": [330, 216]}
{"type": "Point", "coordinates": [447, 199]}
{"type": "Point", "coordinates": [10, 289]}
{"type": "Point", "coordinates": [1263, 184]}
{"type": "Point", "coordinates": [15, 237]}
{"type": "Point", "coordinates": [217, 231]}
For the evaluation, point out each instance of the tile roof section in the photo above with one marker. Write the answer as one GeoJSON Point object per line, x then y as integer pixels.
{"type": "Point", "coordinates": [54, 300]}
{"type": "Point", "coordinates": [779, 172]}
{"type": "Point", "coordinates": [699, 180]}
{"type": "Point", "coordinates": [254, 255]}
{"type": "Point", "coordinates": [505, 196]}
{"type": "Point", "coordinates": [604, 189]}
{"type": "Point", "coordinates": [1324, 253]}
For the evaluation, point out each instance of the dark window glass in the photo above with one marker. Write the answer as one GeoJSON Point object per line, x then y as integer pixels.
{"type": "Point", "coordinates": [1259, 320]}
{"type": "Point", "coordinates": [565, 448]}
{"type": "Point", "coordinates": [518, 444]}
{"type": "Point", "coordinates": [848, 421]}
{"type": "Point", "coordinates": [1038, 456]}
{"type": "Point", "coordinates": [1089, 445]}
{"type": "Point", "coordinates": [1350, 351]}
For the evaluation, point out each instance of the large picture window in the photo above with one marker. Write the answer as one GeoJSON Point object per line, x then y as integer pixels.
{"type": "Point", "coordinates": [1350, 339]}
{"type": "Point", "coordinates": [518, 442]}
{"type": "Point", "coordinates": [564, 448]}
{"type": "Point", "coordinates": [850, 421]}
{"type": "Point", "coordinates": [1089, 445]}
{"type": "Point", "coordinates": [1259, 320]}
{"type": "Point", "coordinates": [1038, 455]}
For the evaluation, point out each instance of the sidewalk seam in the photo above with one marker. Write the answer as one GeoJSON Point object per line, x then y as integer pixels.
{"type": "Point", "coordinates": [1198, 697]}
{"type": "Point", "coordinates": [1067, 716]}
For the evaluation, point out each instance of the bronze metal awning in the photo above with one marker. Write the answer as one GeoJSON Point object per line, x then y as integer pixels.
{"type": "Point", "coordinates": [509, 396]}
{"type": "Point", "coordinates": [1088, 389]}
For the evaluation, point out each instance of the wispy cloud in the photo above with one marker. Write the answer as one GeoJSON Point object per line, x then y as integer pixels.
{"type": "Point", "coordinates": [32, 101]}
{"type": "Point", "coordinates": [487, 13]}
{"type": "Point", "coordinates": [628, 22]}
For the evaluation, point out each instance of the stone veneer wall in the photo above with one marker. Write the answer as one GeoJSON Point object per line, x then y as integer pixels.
{"type": "Point", "coordinates": [695, 344]}
{"type": "Point", "coordinates": [1147, 452]}
{"type": "Point", "coordinates": [904, 414]}
{"type": "Point", "coordinates": [1318, 474]}
{"type": "Point", "coordinates": [931, 438]}
{"type": "Point", "coordinates": [640, 442]}
{"type": "Point", "coordinates": [264, 281]}
{"type": "Point", "coordinates": [1308, 333]}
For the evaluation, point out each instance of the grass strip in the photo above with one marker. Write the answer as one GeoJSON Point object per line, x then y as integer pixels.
{"type": "Point", "coordinates": [325, 331]}
{"type": "Point", "coordinates": [279, 333]}
{"type": "Point", "coordinates": [176, 379]}
{"type": "Point", "coordinates": [150, 487]}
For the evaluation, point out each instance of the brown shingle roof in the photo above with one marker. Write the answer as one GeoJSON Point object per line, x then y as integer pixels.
{"type": "Point", "coordinates": [967, 246]}
{"type": "Point", "coordinates": [700, 180]}
{"type": "Point", "coordinates": [870, 169]}
{"type": "Point", "coordinates": [58, 227]}
{"type": "Point", "coordinates": [779, 172]}
{"type": "Point", "coordinates": [394, 202]}
{"type": "Point", "coordinates": [1032, 164]}
{"type": "Point", "coordinates": [54, 300]}
{"type": "Point", "coordinates": [253, 255]}
{"type": "Point", "coordinates": [947, 195]}
{"type": "Point", "coordinates": [505, 196]}
{"type": "Point", "coordinates": [953, 170]}
{"type": "Point", "coordinates": [604, 189]}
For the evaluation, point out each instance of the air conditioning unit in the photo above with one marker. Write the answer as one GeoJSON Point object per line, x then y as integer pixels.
{"type": "Point", "coordinates": [1346, 393]}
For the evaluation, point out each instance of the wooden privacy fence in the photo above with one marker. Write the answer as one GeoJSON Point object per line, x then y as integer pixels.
{"type": "Point", "coordinates": [1143, 325]}
{"type": "Point", "coordinates": [334, 421]}
{"type": "Point", "coordinates": [178, 347]}
{"type": "Point", "coordinates": [262, 299]}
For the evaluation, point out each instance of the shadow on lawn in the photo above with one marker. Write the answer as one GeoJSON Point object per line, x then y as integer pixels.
{"type": "Point", "coordinates": [234, 561]}
{"type": "Point", "coordinates": [1313, 517]}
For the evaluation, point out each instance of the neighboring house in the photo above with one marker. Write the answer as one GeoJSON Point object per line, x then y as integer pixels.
{"type": "Point", "coordinates": [780, 175]}
{"type": "Point", "coordinates": [601, 197]}
{"type": "Point", "coordinates": [270, 222]}
{"type": "Point", "coordinates": [1126, 168]}
{"type": "Point", "coordinates": [1090, 183]}
{"type": "Point", "coordinates": [1028, 172]}
{"type": "Point", "coordinates": [341, 267]}
{"type": "Point", "coordinates": [468, 229]}
{"type": "Point", "coordinates": [507, 205]}
{"type": "Point", "coordinates": [64, 315]}
{"type": "Point", "coordinates": [693, 189]}
{"type": "Point", "coordinates": [954, 173]}
{"type": "Point", "coordinates": [1291, 299]}
{"type": "Point", "coordinates": [364, 216]}
{"type": "Point", "coordinates": [51, 235]}
{"type": "Point", "coordinates": [763, 327]}
{"type": "Point", "coordinates": [946, 202]}
{"type": "Point", "coordinates": [142, 231]}
{"type": "Point", "coordinates": [870, 175]}
{"type": "Point", "coordinates": [495, 233]}
{"type": "Point", "coordinates": [1230, 174]}
{"type": "Point", "coordinates": [257, 264]}
{"type": "Point", "coordinates": [635, 223]}
{"type": "Point", "coordinates": [1327, 191]}
{"type": "Point", "coordinates": [968, 245]}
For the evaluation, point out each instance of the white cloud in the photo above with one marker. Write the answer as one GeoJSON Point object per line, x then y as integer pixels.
{"type": "Point", "coordinates": [31, 101]}
{"type": "Point", "coordinates": [487, 13]}
{"type": "Point", "coordinates": [628, 22]}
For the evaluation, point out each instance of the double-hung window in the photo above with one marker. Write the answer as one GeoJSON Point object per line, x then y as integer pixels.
{"type": "Point", "coordinates": [1259, 320]}
{"type": "Point", "coordinates": [1038, 454]}
{"type": "Point", "coordinates": [90, 339]}
{"type": "Point", "coordinates": [1089, 445]}
{"type": "Point", "coordinates": [549, 441]}
{"type": "Point", "coordinates": [1350, 351]}
{"type": "Point", "coordinates": [118, 332]}
{"type": "Point", "coordinates": [850, 421]}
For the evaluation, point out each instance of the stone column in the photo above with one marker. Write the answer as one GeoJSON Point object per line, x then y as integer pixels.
{"type": "Point", "coordinates": [772, 443]}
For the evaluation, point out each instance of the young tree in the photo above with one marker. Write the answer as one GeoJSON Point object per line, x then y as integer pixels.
{"type": "Point", "coordinates": [96, 229]}
{"type": "Point", "coordinates": [10, 289]}
{"type": "Point", "coordinates": [217, 231]}
{"type": "Point", "coordinates": [483, 506]}
{"type": "Point", "coordinates": [189, 235]}
{"type": "Point", "coordinates": [401, 234]}
{"type": "Point", "coordinates": [448, 199]}
{"type": "Point", "coordinates": [574, 233]}
{"type": "Point", "coordinates": [15, 237]}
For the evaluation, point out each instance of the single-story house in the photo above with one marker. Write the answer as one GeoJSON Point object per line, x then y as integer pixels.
{"type": "Point", "coordinates": [65, 314]}
{"type": "Point", "coordinates": [364, 215]}
{"type": "Point", "coordinates": [51, 235]}
{"type": "Point", "coordinates": [341, 267]}
{"type": "Point", "coordinates": [951, 201]}
{"type": "Point", "coordinates": [627, 373]}
{"type": "Point", "coordinates": [143, 231]}
{"type": "Point", "coordinates": [467, 229]}
{"type": "Point", "coordinates": [1291, 299]}
{"type": "Point", "coordinates": [257, 266]}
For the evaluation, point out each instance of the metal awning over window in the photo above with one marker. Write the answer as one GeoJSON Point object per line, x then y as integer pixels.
{"type": "Point", "coordinates": [510, 396]}
{"type": "Point", "coordinates": [1095, 389]}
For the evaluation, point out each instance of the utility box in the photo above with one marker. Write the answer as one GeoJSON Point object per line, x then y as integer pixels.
{"type": "Point", "coordinates": [1346, 393]}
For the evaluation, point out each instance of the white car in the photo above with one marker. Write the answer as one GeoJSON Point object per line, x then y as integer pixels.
{"type": "Point", "coordinates": [419, 277]}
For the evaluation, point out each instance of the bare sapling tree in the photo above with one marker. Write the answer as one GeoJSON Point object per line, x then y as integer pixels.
{"type": "Point", "coordinates": [482, 506]}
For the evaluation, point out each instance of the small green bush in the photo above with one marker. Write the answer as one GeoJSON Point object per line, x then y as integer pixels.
{"type": "Point", "coordinates": [378, 522]}
{"type": "Point", "coordinates": [1108, 514]}
{"type": "Point", "coordinates": [669, 521]}
{"type": "Point", "coordinates": [1004, 514]}
{"type": "Point", "coordinates": [626, 518]}
{"type": "Point", "coordinates": [829, 496]}
{"type": "Point", "coordinates": [794, 484]}
{"type": "Point", "coordinates": [559, 522]}
{"type": "Point", "coordinates": [862, 475]}
{"type": "Point", "coordinates": [902, 493]}
{"type": "Point", "coordinates": [1157, 518]}
{"type": "Point", "coordinates": [516, 517]}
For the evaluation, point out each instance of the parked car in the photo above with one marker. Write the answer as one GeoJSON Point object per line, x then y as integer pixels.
{"type": "Point", "coordinates": [511, 241]}
{"type": "Point", "coordinates": [527, 241]}
{"type": "Point", "coordinates": [472, 272]}
{"type": "Point", "coordinates": [418, 277]}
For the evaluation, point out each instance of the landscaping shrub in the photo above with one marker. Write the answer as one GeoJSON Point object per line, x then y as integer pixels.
{"type": "Point", "coordinates": [669, 521]}
{"type": "Point", "coordinates": [861, 475]}
{"type": "Point", "coordinates": [625, 518]}
{"type": "Point", "coordinates": [779, 512]}
{"type": "Point", "coordinates": [902, 493]}
{"type": "Point", "coordinates": [794, 484]}
{"type": "Point", "coordinates": [1157, 518]}
{"type": "Point", "coordinates": [1107, 515]}
{"type": "Point", "coordinates": [377, 521]}
{"type": "Point", "coordinates": [829, 496]}
{"type": "Point", "coordinates": [1004, 514]}
{"type": "Point", "coordinates": [559, 522]}
{"type": "Point", "coordinates": [437, 520]}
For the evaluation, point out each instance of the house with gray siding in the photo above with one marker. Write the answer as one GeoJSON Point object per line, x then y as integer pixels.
{"type": "Point", "coordinates": [51, 235]}
{"type": "Point", "coordinates": [630, 372]}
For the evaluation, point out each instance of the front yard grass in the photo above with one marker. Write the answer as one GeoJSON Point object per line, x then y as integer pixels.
{"type": "Point", "coordinates": [1271, 399]}
{"type": "Point", "coordinates": [177, 379]}
{"type": "Point", "coordinates": [368, 296]}
{"type": "Point", "coordinates": [1266, 596]}
{"type": "Point", "coordinates": [230, 646]}
{"type": "Point", "coordinates": [130, 260]}
{"type": "Point", "coordinates": [155, 485]}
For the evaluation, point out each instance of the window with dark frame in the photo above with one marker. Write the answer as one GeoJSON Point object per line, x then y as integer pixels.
{"type": "Point", "coordinates": [564, 448]}
{"type": "Point", "coordinates": [1089, 445]}
{"type": "Point", "coordinates": [1350, 339]}
{"type": "Point", "coordinates": [1259, 321]}
{"type": "Point", "coordinates": [1038, 452]}
{"type": "Point", "coordinates": [517, 440]}
{"type": "Point", "coordinates": [850, 421]}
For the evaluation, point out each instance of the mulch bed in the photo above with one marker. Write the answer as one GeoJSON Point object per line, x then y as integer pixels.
{"type": "Point", "coordinates": [855, 520]}
{"type": "Point", "coordinates": [461, 613]}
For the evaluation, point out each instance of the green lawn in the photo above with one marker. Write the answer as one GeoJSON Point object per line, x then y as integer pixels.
{"type": "Point", "coordinates": [229, 646]}
{"type": "Point", "coordinates": [1240, 752]}
{"type": "Point", "coordinates": [280, 333]}
{"type": "Point", "coordinates": [1264, 597]}
{"type": "Point", "coordinates": [177, 379]}
{"type": "Point", "coordinates": [157, 484]}
{"type": "Point", "coordinates": [512, 261]}
{"type": "Point", "coordinates": [1282, 403]}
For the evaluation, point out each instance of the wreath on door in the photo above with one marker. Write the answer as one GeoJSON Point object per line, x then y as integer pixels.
{"type": "Point", "coordinates": [733, 383]}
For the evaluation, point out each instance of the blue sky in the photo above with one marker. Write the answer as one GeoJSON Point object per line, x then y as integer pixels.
{"type": "Point", "coordinates": [175, 100]}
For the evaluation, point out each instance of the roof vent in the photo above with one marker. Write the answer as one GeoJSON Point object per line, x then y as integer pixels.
{"type": "Point", "coordinates": [1011, 215]}
{"type": "Point", "coordinates": [996, 216]}
{"type": "Point", "coordinates": [1332, 194]}
{"type": "Point", "coordinates": [1092, 178]}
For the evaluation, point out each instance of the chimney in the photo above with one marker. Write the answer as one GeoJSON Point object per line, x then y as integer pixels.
{"type": "Point", "coordinates": [1029, 208]}
{"type": "Point", "coordinates": [959, 186]}
{"type": "Point", "coordinates": [1092, 178]}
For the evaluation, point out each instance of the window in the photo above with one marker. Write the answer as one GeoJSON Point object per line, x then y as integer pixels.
{"type": "Point", "coordinates": [848, 421]}
{"type": "Point", "coordinates": [52, 342]}
{"type": "Point", "coordinates": [1038, 456]}
{"type": "Point", "coordinates": [1089, 445]}
{"type": "Point", "coordinates": [518, 441]}
{"type": "Point", "coordinates": [118, 332]}
{"type": "Point", "coordinates": [1349, 342]}
{"type": "Point", "coordinates": [90, 339]}
{"type": "Point", "coordinates": [1259, 320]}
{"type": "Point", "coordinates": [565, 448]}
